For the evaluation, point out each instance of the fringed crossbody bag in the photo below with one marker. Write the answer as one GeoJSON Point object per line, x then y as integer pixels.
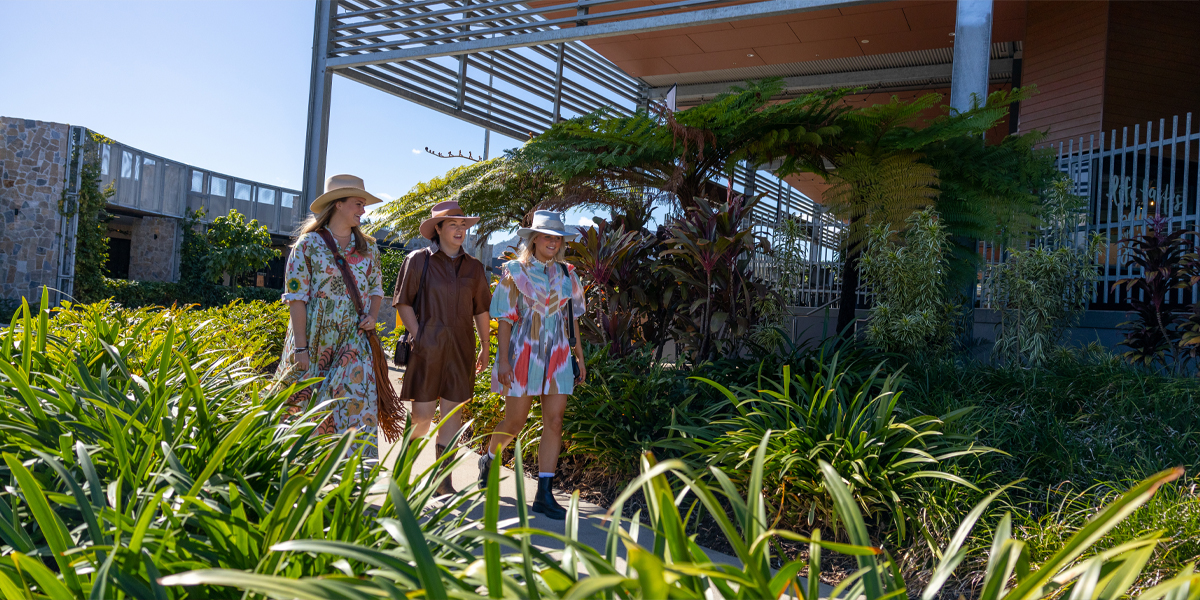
{"type": "Point", "coordinates": [391, 410]}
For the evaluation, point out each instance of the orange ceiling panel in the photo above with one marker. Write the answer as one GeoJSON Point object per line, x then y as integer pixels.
{"type": "Point", "coordinates": [906, 41]}
{"type": "Point", "coordinates": [790, 53]}
{"type": "Point", "coordinates": [763, 35]}
{"type": "Point", "coordinates": [712, 61]}
{"type": "Point", "coordinates": [868, 24]}
{"type": "Point", "coordinates": [646, 67]}
{"type": "Point", "coordinates": [684, 31]}
{"type": "Point", "coordinates": [657, 47]}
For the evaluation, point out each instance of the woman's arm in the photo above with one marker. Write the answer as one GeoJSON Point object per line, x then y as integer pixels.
{"type": "Point", "coordinates": [298, 311]}
{"type": "Point", "coordinates": [578, 350]}
{"type": "Point", "coordinates": [504, 372]}
{"type": "Point", "coordinates": [484, 328]}
{"type": "Point", "coordinates": [408, 317]}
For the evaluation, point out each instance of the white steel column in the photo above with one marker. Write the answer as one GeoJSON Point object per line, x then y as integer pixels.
{"type": "Point", "coordinates": [972, 53]}
{"type": "Point", "coordinates": [319, 96]}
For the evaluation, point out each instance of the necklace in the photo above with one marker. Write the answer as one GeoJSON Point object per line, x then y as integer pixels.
{"type": "Point", "coordinates": [344, 239]}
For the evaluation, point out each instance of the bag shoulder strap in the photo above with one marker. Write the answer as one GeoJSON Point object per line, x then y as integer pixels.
{"type": "Point", "coordinates": [570, 307]}
{"type": "Point", "coordinates": [347, 276]}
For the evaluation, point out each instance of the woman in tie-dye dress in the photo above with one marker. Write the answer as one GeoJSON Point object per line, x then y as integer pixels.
{"type": "Point", "coordinates": [534, 355]}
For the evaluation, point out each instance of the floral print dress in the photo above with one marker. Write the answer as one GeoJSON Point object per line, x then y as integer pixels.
{"type": "Point", "coordinates": [533, 298]}
{"type": "Point", "coordinates": [338, 351]}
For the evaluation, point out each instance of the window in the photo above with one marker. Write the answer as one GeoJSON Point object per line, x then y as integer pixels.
{"type": "Point", "coordinates": [105, 157]}
{"type": "Point", "coordinates": [149, 162]}
{"type": "Point", "coordinates": [216, 186]}
{"type": "Point", "coordinates": [288, 199]}
{"type": "Point", "coordinates": [126, 165]}
{"type": "Point", "coordinates": [198, 182]}
{"type": "Point", "coordinates": [266, 196]}
{"type": "Point", "coordinates": [241, 191]}
{"type": "Point", "coordinates": [137, 170]}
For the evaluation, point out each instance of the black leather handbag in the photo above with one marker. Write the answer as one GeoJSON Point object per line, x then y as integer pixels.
{"type": "Point", "coordinates": [571, 326]}
{"type": "Point", "coordinates": [404, 345]}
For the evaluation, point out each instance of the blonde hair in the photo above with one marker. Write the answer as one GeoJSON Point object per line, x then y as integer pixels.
{"type": "Point", "coordinates": [315, 222]}
{"type": "Point", "coordinates": [526, 253]}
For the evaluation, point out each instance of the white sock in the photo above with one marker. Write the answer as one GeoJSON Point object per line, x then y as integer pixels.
{"type": "Point", "coordinates": [491, 455]}
{"type": "Point", "coordinates": [545, 474]}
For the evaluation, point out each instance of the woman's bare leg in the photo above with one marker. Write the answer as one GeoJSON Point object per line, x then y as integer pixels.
{"type": "Point", "coordinates": [422, 417]}
{"type": "Point", "coordinates": [516, 412]}
{"type": "Point", "coordinates": [450, 424]}
{"type": "Point", "coordinates": [553, 407]}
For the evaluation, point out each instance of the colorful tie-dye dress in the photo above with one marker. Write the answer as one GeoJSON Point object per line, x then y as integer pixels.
{"type": "Point", "coordinates": [337, 350]}
{"type": "Point", "coordinates": [533, 298]}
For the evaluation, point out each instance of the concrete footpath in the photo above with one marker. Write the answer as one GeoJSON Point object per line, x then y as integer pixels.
{"type": "Point", "coordinates": [592, 525]}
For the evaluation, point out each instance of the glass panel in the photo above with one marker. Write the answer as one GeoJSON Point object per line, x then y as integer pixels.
{"type": "Point", "coordinates": [137, 170]}
{"type": "Point", "coordinates": [149, 161]}
{"type": "Point", "coordinates": [126, 165]}
{"type": "Point", "coordinates": [288, 199]}
{"type": "Point", "coordinates": [266, 196]}
{"type": "Point", "coordinates": [105, 157]}
{"type": "Point", "coordinates": [198, 182]}
{"type": "Point", "coordinates": [216, 186]}
{"type": "Point", "coordinates": [241, 191]}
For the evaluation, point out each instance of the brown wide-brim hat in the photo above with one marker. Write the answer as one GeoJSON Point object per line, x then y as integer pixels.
{"type": "Point", "coordinates": [442, 211]}
{"type": "Point", "coordinates": [342, 186]}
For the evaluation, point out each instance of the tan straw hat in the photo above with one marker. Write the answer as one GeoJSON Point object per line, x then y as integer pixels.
{"type": "Point", "coordinates": [342, 186]}
{"type": "Point", "coordinates": [442, 211]}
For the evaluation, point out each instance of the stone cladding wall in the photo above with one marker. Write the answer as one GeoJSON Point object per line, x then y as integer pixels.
{"type": "Point", "coordinates": [33, 168]}
{"type": "Point", "coordinates": [152, 249]}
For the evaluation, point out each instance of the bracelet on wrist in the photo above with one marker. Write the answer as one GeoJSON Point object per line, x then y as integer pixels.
{"type": "Point", "coordinates": [300, 350]}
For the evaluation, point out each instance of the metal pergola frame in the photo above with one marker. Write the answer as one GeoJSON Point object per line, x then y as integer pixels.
{"type": "Point", "coordinates": [435, 53]}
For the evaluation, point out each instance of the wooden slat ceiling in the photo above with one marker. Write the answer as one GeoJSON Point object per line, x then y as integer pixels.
{"type": "Point", "coordinates": [883, 28]}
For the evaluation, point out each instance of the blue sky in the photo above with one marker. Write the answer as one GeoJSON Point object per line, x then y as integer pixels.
{"type": "Point", "coordinates": [219, 84]}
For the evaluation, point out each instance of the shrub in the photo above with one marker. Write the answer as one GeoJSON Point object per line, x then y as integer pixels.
{"type": "Point", "coordinates": [135, 294]}
{"type": "Point", "coordinates": [1042, 291]}
{"type": "Point", "coordinates": [856, 426]}
{"type": "Point", "coordinates": [910, 314]}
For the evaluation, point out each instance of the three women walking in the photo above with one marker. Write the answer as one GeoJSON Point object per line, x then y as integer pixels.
{"type": "Point", "coordinates": [444, 300]}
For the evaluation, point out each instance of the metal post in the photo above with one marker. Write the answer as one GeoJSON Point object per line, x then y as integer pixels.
{"type": "Point", "coordinates": [319, 96]}
{"type": "Point", "coordinates": [460, 100]}
{"type": "Point", "coordinates": [972, 53]}
{"type": "Point", "coordinates": [558, 76]}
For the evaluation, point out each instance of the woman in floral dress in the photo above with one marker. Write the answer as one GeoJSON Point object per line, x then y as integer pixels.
{"type": "Point", "coordinates": [534, 356]}
{"type": "Point", "coordinates": [325, 335]}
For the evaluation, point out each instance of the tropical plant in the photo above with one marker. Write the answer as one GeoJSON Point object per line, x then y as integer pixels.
{"type": "Point", "coordinates": [1154, 333]}
{"type": "Point", "coordinates": [1041, 291]}
{"type": "Point", "coordinates": [856, 426]}
{"type": "Point", "coordinates": [789, 252]}
{"type": "Point", "coordinates": [709, 252]}
{"type": "Point", "coordinates": [237, 247]}
{"type": "Point", "coordinates": [909, 313]}
{"type": "Point", "coordinates": [884, 165]}
{"type": "Point", "coordinates": [690, 153]}
{"type": "Point", "coordinates": [503, 192]}
{"type": "Point", "coordinates": [390, 261]}
{"type": "Point", "coordinates": [91, 237]}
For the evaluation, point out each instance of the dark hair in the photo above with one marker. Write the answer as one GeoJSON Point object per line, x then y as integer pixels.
{"type": "Point", "coordinates": [437, 232]}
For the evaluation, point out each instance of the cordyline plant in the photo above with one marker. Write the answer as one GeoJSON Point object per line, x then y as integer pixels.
{"type": "Point", "coordinates": [708, 253]}
{"type": "Point", "coordinates": [1154, 335]}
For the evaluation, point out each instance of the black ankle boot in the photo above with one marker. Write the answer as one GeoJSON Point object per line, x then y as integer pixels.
{"type": "Point", "coordinates": [544, 501]}
{"type": "Point", "coordinates": [485, 467]}
{"type": "Point", "coordinates": [446, 486]}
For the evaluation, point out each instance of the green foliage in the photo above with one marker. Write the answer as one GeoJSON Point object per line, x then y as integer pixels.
{"type": "Point", "coordinates": [194, 251]}
{"type": "Point", "coordinates": [503, 192]}
{"type": "Point", "coordinates": [390, 261]}
{"type": "Point", "coordinates": [910, 313]}
{"type": "Point", "coordinates": [91, 234]}
{"type": "Point", "coordinates": [1085, 417]}
{"type": "Point", "coordinates": [237, 247]}
{"type": "Point", "coordinates": [1042, 291]}
{"type": "Point", "coordinates": [685, 152]}
{"type": "Point", "coordinates": [134, 294]}
{"type": "Point", "coordinates": [789, 251]}
{"type": "Point", "coordinates": [840, 417]}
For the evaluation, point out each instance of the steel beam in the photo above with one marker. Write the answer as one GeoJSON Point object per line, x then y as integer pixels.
{"type": "Point", "coordinates": [972, 49]}
{"type": "Point", "coordinates": [556, 113]}
{"type": "Point", "coordinates": [319, 96]}
{"type": "Point", "coordinates": [709, 16]}
{"type": "Point", "coordinates": [873, 77]}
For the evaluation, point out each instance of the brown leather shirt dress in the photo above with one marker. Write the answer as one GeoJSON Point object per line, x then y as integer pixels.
{"type": "Point", "coordinates": [442, 364]}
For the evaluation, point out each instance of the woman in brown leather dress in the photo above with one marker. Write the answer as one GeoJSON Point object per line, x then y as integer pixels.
{"type": "Point", "coordinates": [451, 308]}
